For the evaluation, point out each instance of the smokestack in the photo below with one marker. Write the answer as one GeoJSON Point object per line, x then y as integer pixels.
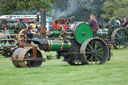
{"type": "Point", "coordinates": [43, 21]}
{"type": "Point", "coordinates": [38, 17]}
{"type": "Point", "coordinates": [43, 18]}
{"type": "Point", "coordinates": [86, 14]}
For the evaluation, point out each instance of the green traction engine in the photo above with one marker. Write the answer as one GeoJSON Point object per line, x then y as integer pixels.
{"type": "Point", "coordinates": [77, 46]}
{"type": "Point", "coordinates": [114, 34]}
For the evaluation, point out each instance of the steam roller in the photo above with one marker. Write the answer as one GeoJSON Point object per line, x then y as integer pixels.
{"type": "Point", "coordinates": [27, 57]}
{"type": "Point", "coordinates": [77, 46]}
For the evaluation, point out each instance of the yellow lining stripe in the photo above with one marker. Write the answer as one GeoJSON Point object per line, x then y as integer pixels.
{"type": "Point", "coordinates": [62, 45]}
{"type": "Point", "coordinates": [69, 43]}
{"type": "Point", "coordinates": [48, 45]}
{"type": "Point", "coordinates": [51, 45]}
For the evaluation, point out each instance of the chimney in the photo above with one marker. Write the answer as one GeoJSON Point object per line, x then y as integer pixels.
{"type": "Point", "coordinates": [38, 17]}
{"type": "Point", "coordinates": [86, 14]}
{"type": "Point", "coordinates": [43, 21]}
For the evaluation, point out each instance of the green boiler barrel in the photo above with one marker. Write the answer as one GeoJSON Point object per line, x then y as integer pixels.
{"type": "Point", "coordinates": [102, 33]}
{"type": "Point", "coordinates": [55, 33]}
{"type": "Point", "coordinates": [58, 45]}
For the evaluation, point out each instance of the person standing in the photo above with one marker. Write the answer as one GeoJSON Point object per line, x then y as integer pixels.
{"type": "Point", "coordinates": [125, 23]}
{"type": "Point", "coordinates": [93, 24]}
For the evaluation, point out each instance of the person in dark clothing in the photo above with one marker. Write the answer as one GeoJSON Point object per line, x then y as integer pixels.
{"type": "Point", "coordinates": [125, 23]}
{"type": "Point", "coordinates": [93, 24]}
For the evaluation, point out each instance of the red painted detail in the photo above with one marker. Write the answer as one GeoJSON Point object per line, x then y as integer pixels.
{"type": "Point", "coordinates": [57, 23]}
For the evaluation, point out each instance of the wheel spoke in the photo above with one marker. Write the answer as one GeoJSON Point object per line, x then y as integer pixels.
{"type": "Point", "coordinates": [87, 49]}
{"type": "Point", "coordinates": [121, 34]}
{"type": "Point", "coordinates": [88, 52]}
{"type": "Point", "coordinates": [90, 46]}
{"type": "Point", "coordinates": [124, 44]}
{"type": "Point", "coordinates": [97, 59]}
{"type": "Point", "coordinates": [100, 49]}
{"type": "Point", "coordinates": [117, 38]}
{"type": "Point", "coordinates": [90, 60]}
{"type": "Point", "coordinates": [96, 45]}
{"type": "Point", "coordinates": [99, 56]}
{"type": "Point", "coordinates": [101, 52]}
{"type": "Point", "coordinates": [118, 35]}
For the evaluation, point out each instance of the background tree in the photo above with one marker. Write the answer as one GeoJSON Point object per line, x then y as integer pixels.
{"type": "Point", "coordinates": [68, 8]}
{"type": "Point", "coordinates": [115, 8]}
{"type": "Point", "coordinates": [21, 6]}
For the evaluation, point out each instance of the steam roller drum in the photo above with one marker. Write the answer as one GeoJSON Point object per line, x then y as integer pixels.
{"type": "Point", "coordinates": [22, 57]}
{"type": "Point", "coordinates": [95, 51]}
{"type": "Point", "coordinates": [82, 32]}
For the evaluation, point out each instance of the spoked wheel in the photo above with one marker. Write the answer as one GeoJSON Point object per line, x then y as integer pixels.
{"type": "Point", "coordinates": [114, 23]}
{"type": "Point", "coordinates": [95, 51]}
{"type": "Point", "coordinates": [113, 20]}
{"type": "Point", "coordinates": [7, 53]}
{"type": "Point", "coordinates": [119, 38]}
{"type": "Point", "coordinates": [22, 57]}
{"type": "Point", "coordinates": [77, 61]}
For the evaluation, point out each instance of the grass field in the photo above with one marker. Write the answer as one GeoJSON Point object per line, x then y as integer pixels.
{"type": "Point", "coordinates": [56, 72]}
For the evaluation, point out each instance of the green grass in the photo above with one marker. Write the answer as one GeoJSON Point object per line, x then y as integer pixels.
{"type": "Point", "coordinates": [56, 72]}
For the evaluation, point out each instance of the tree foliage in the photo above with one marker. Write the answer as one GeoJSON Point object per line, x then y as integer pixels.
{"type": "Point", "coordinates": [10, 6]}
{"type": "Point", "coordinates": [115, 8]}
{"type": "Point", "coordinates": [67, 8]}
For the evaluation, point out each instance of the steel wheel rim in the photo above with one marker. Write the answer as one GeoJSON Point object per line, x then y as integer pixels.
{"type": "Point", "coordinates": [95, 51]}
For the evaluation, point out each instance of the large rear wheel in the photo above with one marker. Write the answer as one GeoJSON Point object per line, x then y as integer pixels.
{"type": "Point", "coordinates": [95, 51]}
{"type": "Point", "coordinates": [119, 38]}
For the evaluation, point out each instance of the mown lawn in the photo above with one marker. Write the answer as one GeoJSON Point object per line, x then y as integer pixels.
{"type": "Point", "coordinates": [56, 72]}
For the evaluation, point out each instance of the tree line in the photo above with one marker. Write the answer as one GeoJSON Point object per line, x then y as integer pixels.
{"type": "Point", "coordinates": [102, 8]}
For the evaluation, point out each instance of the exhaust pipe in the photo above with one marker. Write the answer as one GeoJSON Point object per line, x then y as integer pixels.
{"type": "Point", "coordinates": [43, 21]}
{"type": "Point", "coordinates": [86, 14]}
{"type": "Point", "coordinates": [38, 17]}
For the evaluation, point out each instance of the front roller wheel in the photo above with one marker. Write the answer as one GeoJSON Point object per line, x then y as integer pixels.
{"type": "Point", "coordinates": [22, 57]}
{"type": "Point", "coordinates": [95, 51]}
{"type": "Point", "coordinates": [119, 38]}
